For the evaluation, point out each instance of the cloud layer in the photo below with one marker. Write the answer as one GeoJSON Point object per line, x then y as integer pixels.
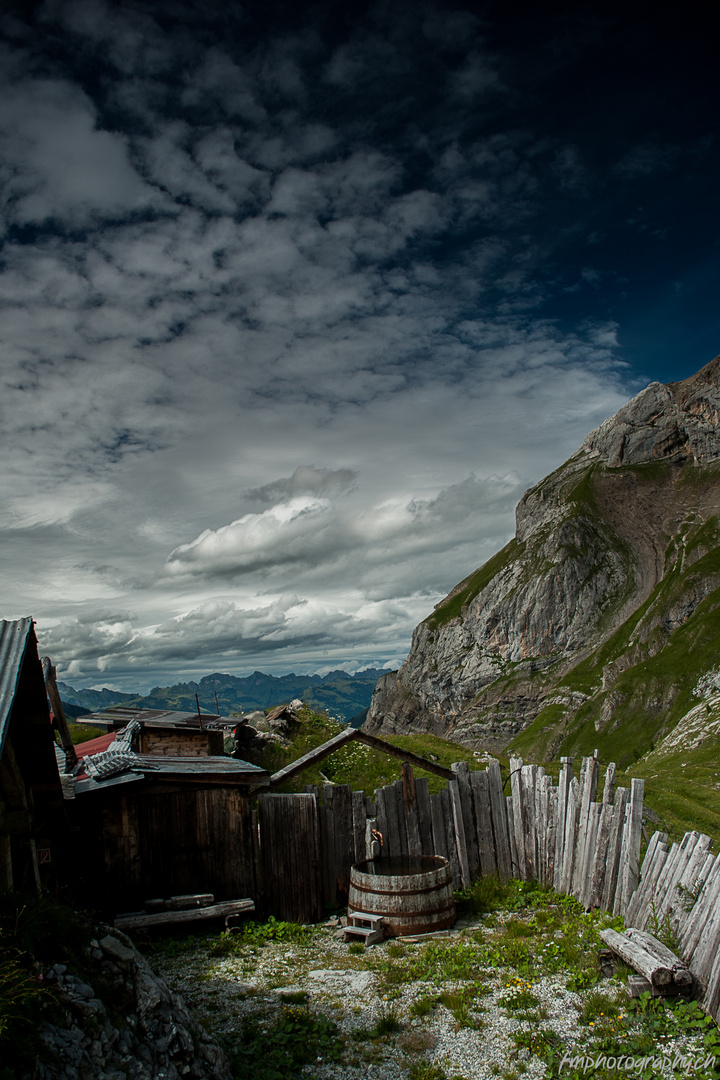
{"type": "Point", "coordinates": [278, 347]}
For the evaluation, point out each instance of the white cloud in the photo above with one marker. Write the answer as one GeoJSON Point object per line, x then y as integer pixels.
{"type": "Point", "coordinates": [62, 166]}
{"type": "Point", "coordinates": [269, 386]}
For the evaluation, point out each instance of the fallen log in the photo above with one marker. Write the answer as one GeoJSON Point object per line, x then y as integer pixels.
{"type": "Point", "coordinates": [650, 958]}
{"type": "Point", "coordinates": [634, 954]}
{"type": "Point", "coordinates": [682, 976]}
{"type": "Point", "coordinates": [135, 919]}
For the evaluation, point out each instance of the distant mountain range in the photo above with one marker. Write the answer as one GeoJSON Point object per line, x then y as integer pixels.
{"type": "Point", "coordinates": [343, 696]}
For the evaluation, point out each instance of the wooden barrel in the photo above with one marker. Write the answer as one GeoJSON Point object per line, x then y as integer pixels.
{"type": "Point", "coordinates": [413, 893]}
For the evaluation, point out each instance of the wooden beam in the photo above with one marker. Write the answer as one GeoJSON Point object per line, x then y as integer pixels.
{"type": "Point", "coordinates": [310, 758]}
{"type": "Point", "coordinates": [404, 755]}
{"type": "Point", "coordinates": [350, 735]}
{"type": "Point", "coordinates": [50, 676]}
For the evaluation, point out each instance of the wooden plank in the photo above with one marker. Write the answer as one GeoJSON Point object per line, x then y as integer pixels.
{"type": "Point", "coordinates": [516, 765]}
{"type": "Point", "coordinates": [394, 843]}
{"type": "Point", "coordinates": [402, 835]}
{"type": "Point", "coordinates": [514, 860]}
{"type": "Point", "coordinates": [646, 870]}
{"type": "Point", "coordinates": [597, 872]}
{"type": "Point", "coordinates": [614, 845]}
{"type": "Point", "coordinates": [461, 770]}
{"type": "Point", "coordinates": [381, 825]}
{"type": "Point", "coordinates": [422, 793]}
{"type": "Point", "coordinates": [647, 889]}
{"type": "Point", "coordinates": [563, 788]}
{"type": "Point", "coordinates": [631, 847]}
{"type": "Point", "coordinates": [706, 903]}
{"type": "Point", "coordinates": [327, 847]}
{"type": "Point", "coordinates": [481, 799]}
{"type": "Point", "coordinates": [344, 839]}
{"type": "Point", "coordinates": [588, 771]}
{"type": "Point", "coordinates": [459, 831]}
{"type": "Point", "coordinates": [528, 775]}
{"type": "Point", "coordinates": [707, 948]}
{"type": "Point", "coordinates": [410, 802]}
{"type": "Point", "coordinates": [255, 854]}
{"type": "Point", "coordinates": [450, 839]}
{"type": "Point", "coordinates": [498, 810]}
{"type": "Point", "coordinates": [609, 788]}
{"type": "Point", "coordinates": [591, 836]}
{"type": "Point", "coordinates": [711, 997]}
{"type": "Point", "coordinates": [667, 897]}
{"type": "Point", "coordinates": [358, 823]}
{"type": "Point", "coordinates": [542, 799]}
{"type": "Point", "coordinates": [571, 826]}
{"type": "Point", "coordinates": [439, 839]}
{"type": "Point", "coordinates": [165, 918]}
{"type": "Point", "coordinates": [688, 884]}
{"type": "Point", "coordinates": [552, 833]}
{"type": "Point", "coordinates": [649, 902]}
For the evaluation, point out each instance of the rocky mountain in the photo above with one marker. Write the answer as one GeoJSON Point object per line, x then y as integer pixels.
{"type": "Point", "coordinates": [342, 695]}
{"type": "Point", "coordinates": [598, 625]}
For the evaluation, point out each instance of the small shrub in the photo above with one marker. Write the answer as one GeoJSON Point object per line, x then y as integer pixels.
{"type": "Point", "coordinates": [387, 1023]}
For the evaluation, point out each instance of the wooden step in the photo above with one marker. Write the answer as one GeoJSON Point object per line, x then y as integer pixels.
{"type": "Point", "coordinates": [368, 934]}
{"type": "Point", "coordinates": [360, 918]}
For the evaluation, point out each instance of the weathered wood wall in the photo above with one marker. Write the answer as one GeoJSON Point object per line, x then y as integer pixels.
{"type": "Point", "coordinates": [165, 843]}
{"type": "Point", "coordinates": [160, 741]}
{"type": "Point", "coordinates": [290, 857]}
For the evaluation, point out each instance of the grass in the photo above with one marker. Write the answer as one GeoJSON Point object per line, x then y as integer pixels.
{"type": "Point", "coordinates": [279, 1047]}
{"type": "Point", "coordinates": [362, 767]}
{"type": "Point", "coordinates": [80, 733]}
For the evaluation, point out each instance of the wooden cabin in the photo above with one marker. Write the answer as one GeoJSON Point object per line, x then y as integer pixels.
{"type": "Point", "coordinates": [165, 824]}
{"type": "Point", "coordinates": [33, 823]}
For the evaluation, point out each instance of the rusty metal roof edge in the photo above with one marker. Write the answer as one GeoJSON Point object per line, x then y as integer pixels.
{"type": "Point", "coordinates": [13, 643]}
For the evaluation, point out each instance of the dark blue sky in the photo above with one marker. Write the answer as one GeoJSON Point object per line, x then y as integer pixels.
{"type": "Point", "coordinates": [297, 300]}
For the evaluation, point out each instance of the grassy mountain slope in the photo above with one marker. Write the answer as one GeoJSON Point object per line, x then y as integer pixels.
{"type": "Point", "coordinates": [598, 625]}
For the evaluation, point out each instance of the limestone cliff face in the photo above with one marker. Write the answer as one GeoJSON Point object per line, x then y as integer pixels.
{"type": "Point", "coordinates": [612, 555]}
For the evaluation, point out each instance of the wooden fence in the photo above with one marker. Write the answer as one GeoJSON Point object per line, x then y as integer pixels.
{"type": "Point", "coordinates": [561, 834]}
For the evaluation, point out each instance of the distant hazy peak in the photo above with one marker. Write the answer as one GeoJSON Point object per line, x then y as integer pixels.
{"type": "Point", "coordinates": [674, 422]}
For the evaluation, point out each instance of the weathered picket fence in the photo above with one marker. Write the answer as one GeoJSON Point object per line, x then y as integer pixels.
{"type": "Point", "coordinates": [557, 834]}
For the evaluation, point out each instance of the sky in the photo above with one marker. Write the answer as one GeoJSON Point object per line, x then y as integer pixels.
{"type": "Point", "coordinates": [296, 301]}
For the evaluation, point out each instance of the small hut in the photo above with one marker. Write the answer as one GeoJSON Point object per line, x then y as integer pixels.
{"type": "Point", "coordinates": [33, 824]}
{"type": "Point", "coordinates": [168, 733]}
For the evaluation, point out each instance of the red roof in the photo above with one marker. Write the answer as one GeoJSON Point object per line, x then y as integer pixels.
{"type": "Point", "coordinates": [94, 746]}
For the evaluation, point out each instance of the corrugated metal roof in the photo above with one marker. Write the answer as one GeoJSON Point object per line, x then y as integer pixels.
{"type": "Point", "coordinates": [119, 715]}
{"type": "Point", "coordinates": [13, 639]}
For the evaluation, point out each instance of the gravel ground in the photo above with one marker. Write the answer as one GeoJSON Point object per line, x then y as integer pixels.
{"type": "Point", "coordinates": [223, 990]}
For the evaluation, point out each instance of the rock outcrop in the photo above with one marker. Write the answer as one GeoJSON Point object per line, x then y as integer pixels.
{"type": "Point", "coordinates": [615, 561]}
{"type": "Point", "coordinates": [120, 1021]}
